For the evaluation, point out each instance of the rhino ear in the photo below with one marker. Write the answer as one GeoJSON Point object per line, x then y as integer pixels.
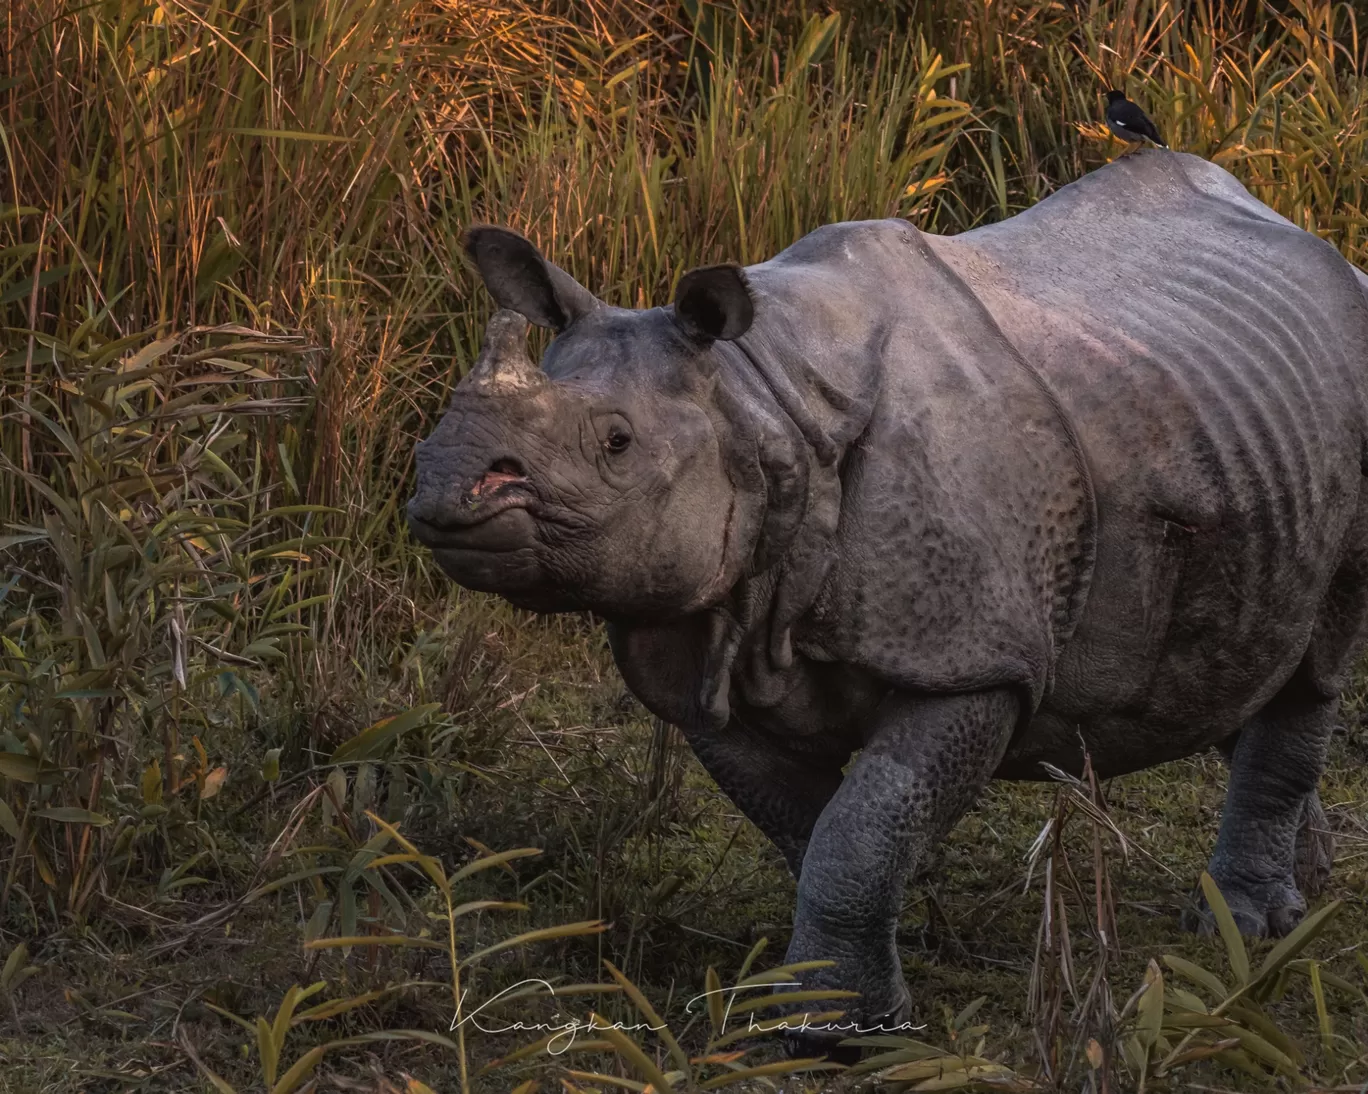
{"type": "Point", "coordinates": [714, 302]}
{"type": "Point", "coordinates": [520, 279]}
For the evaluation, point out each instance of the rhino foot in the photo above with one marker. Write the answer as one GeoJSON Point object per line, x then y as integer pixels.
{"type": "Point", "coordinates": [1259, 911]}
{"type": "Point", "coordinates": [1272, 910]}
{"type": "Point", "coordinates": [802, 1042]}
{"type": "Point", "coordinates": [924, 762]}
{"type": "Point", "coordinates": [1272, 849]}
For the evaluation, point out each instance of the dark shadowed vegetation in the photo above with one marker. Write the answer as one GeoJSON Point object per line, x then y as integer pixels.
{"type": "Point", "coordinates": [250, 738]}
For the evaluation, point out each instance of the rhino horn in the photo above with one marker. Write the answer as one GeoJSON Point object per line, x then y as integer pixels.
{"type": "Point", "coordinates": [503, 367]}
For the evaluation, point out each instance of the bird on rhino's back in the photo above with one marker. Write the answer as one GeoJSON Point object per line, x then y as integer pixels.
{"type": "Point", "coordinates": [1129, 122]}
{"type": "Point", "coordinates": [1090, 478]}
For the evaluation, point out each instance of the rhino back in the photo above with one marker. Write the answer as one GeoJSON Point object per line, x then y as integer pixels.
{"type": "Point", "coordinates": [1212, 358]}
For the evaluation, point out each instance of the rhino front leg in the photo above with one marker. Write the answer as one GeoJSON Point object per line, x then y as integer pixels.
{"type": "Point", "coordinates": [925, 761]}
{"type": "Point", "coordinates": [1275, 767]}
{"type": "Point", "coordinates": [782, 791]}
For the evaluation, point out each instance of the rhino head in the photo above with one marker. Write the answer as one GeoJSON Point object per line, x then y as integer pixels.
{"type": "Point", "coordinates": [600, 479]}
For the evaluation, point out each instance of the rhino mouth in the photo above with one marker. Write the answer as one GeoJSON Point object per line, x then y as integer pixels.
{"type": "Point", "coordinates": [458, 523]}
{"type": "Point", "coordinates": [503, 487]}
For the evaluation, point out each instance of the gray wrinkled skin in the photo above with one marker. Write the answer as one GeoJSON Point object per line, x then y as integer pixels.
{"type": "Point", "coordinates": [1087, 479]}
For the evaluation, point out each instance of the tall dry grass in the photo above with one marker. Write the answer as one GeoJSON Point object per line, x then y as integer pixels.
{"type": "Point", "coordinates": [232, 304]}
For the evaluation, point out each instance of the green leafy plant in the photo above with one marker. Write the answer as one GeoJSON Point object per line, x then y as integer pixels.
{"type": "Point", "coordinates": [904, 1063]}
{"type": "Point", "coordinates": [372, 859]}
{"type": "Point", "coordinates": [433, 870]}
{"type": "Point", "coordinates": [278, 1077]}
{"type": "Point", "coordinates": [13, 973]}
{"type": "Point", "coordinates": [733, 1014]}
{"type": "Point", "coordinates": [1228, 1023]}
{"type": "Point", "coordinates": [151, 592]}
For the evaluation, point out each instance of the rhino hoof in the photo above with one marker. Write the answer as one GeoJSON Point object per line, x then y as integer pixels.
{"type": "Point", "coordinates": [826, 1044]}
{"type": "Point", "coordinates": [804, 1046]}
{"type": "Point", "coordinates": [1270, 915]}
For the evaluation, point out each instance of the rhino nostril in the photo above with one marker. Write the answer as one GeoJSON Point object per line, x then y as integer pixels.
{"type": "Point", "coordinates": [501, 473]}
{"type": "Point", "coordinates": [448, 501]}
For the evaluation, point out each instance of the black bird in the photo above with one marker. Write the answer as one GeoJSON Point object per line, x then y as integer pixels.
{"type": "Point", "coordinates": [1129, 122]}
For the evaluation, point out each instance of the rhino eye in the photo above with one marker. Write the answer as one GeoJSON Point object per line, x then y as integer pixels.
{"type": "Point", "coordinates": [618, 440]}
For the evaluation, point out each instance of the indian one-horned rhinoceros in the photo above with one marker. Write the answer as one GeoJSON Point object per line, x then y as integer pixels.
{"type": "Point", "coordinates": [1088, 479]}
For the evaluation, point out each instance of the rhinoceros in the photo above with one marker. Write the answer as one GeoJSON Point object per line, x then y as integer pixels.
{"type": "Point", "coordinates": [1085, 482]}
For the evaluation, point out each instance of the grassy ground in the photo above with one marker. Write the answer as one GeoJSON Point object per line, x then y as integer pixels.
{"type": "Point", "coordinates": [230, 303]}
{"type": "Point", "coordinates": [639, 838]}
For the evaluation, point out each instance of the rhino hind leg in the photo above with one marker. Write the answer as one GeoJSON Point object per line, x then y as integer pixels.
{"type": "Point", "coordinates": [1270, 842]}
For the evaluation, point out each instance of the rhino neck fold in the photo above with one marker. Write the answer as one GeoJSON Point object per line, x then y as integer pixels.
{"type": "Point", "coordinates": [790, 423]}
{"type": "Point", "coordinates": [786, 409]}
